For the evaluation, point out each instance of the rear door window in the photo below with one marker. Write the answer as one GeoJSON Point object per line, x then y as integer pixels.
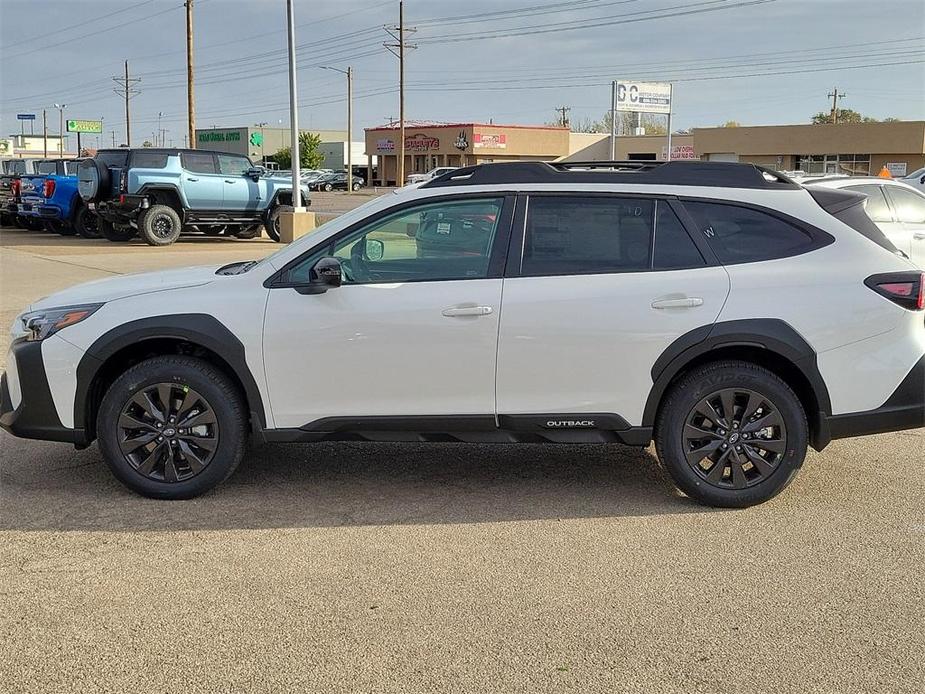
{"type": "Point", "coordinates": [876, 205]}
{"type": "Point", "coordinates": [198, 162]}
{"type": "Point", "coordinates": [745, 235]}
{"type": "Point", "coordinates": [45, 167]}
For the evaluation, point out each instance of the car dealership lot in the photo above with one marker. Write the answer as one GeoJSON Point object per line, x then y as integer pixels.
{"type": "Point", "coordinates": [405, 567]}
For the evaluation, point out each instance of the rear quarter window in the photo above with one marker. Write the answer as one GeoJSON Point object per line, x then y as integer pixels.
{"type": "Point", "coordinates": [113, 159]}
{"type": "Point", "coordinates": [740, 234]}
{"type": "Point", "coordinates": [149, 160]}
{"type": "Point", "coordinates": [45, 167]}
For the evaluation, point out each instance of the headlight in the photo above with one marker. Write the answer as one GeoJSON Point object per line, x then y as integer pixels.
{"type": "Point", "coordinates": [41, 324]}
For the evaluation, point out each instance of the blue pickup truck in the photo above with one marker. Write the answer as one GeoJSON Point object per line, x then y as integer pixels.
{"type": "Point", "coordinates": [50, 198]}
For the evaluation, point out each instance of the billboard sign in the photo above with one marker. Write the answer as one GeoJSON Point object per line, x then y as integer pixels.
{"type": "Point", "coordinates": [644, 97]}
{"type": "Point", "coordinates": [85, 126]}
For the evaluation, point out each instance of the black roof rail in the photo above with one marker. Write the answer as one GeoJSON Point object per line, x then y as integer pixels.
{"type": "Point", "coordinates": [674, 173]}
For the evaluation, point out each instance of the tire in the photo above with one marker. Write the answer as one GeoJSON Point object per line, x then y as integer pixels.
{"type": "Point", "coordinates": [356, 187]}
{"type": "Point", "coordinates": [160, 225]}
{"type": "Point", "coordinates": [328, 187]}
{"type": "Point", "coordinates": [217, 442]}
{"type": "Point", "coordinates": [272, 224]}
{"type": "Point", "coordinates": [252, 232]}
{"type": "Point", "coordinates": [702, 476]}
{"type": "Point", "coordinates": [86, 223]}
{"type": "Point", "coordinates": [114, 233]}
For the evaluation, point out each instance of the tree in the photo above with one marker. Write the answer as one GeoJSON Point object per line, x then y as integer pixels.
{"type": "Point", "coordinates": [845, 115]}
{"type": "Point", "coordinates": [626, 121]}
{"type": "Point", "coordinates": [309, 156]}
{"type": "Point", "coordinates": [731, 124]}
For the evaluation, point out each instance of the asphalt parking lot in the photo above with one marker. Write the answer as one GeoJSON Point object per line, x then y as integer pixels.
{"type": "Point", "coordinates": [445, 568]}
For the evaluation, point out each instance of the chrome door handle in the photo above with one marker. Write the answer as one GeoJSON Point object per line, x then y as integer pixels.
{"type": "Point", "coordinates": [466, 311]}
{"type": "Point", "coordinates": [919, 235]}
{"type": "Point", "coordinates": [686, 302]}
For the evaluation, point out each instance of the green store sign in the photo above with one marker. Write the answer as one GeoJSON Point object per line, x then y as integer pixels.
{"type": "Point", "coordinates": [219, 136]}
{"type": "Point", "coordinates": [85, 126]}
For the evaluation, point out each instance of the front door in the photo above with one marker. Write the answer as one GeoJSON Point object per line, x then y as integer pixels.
{"type": "Point", "coordinates": [910, 211]}
{"type": "Point", "coordinates": [241, 193]}
{"type": "Point", "coordinates": [201, 182]}
{"type": "Point", "coordinates": [605, 284]}
{"type": "Point", "coordinates": [411, 332]}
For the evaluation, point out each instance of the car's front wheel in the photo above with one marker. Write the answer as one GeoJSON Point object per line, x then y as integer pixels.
{"type": "Point", "coordinates": [731, 434]}
{"type": "Point", "coordinates": [272, 225]}
{"type": "Point", "coordinates": [172, 427]}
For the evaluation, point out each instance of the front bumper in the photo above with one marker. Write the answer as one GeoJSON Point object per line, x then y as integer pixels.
{"type": "Point", "coordinates": [35, 416]}
{"type": "Point", "coordinates": [904, 409]}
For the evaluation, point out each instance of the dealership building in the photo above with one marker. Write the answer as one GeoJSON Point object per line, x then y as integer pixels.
{"type": "Point", "coordinates": [853, 148]}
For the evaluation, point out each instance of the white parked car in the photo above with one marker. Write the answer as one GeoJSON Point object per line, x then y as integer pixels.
{"type": "Point", "coordinates": [433, 173]}
{"type": "Point", "coordinates": [896, 208]}
{"type": "Point", "coordinates": [916, 179]}
{"type": "Point", "coordinates": [725, 312]}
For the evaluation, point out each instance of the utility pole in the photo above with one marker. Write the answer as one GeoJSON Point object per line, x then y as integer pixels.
{"type": "Point", "coordinates": [563, 118]}
{"type": "Point", "coordinates": [157, 139]}
{"type": "Point", "coordinates": [45, 130]}
{"type": "Point", "coordinates": [401, 45]}
{"type": "Point", "coordinates": [127, 91]}
{"type": "Point", "coordinates": [613, 121]}
{"type": "Point", "coordinates": [835, 96]}
{"type": "Point", "coordinates": [190, 97]}
{"type": "Point", "coordinates": [349, 73]}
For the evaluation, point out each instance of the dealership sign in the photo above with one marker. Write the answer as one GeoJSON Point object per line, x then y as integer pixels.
{"type": "Point", "coordinates": [220, 136]}
{"type": "Point", "coordinates": [85, 126]}
{"type": "Point", "coordinates": [644, 97]}
{"type": "Point", "coordinates": [497, 141]}
{"type": "Point", "coordinates": [421, 143]}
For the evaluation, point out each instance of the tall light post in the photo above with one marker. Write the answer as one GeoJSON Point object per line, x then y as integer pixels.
{"type": "Point", "coordinates": [261, 125]}
{"type": "Point", "coordinates": [294, 114]}
{"type": "Point", "coordinates": [157, 140]}
{"type": "Point", "coordinates": [349, 73]}
{"type": "Point", "coordinates": [61, 108]}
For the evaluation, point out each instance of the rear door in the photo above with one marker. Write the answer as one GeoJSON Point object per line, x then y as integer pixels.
{"type": "Point", "coordinates": [910, 212]}
{"type": "Point", "coordinates": [202, 183]}
{"type": "Point", "coordinates": [604, 284]}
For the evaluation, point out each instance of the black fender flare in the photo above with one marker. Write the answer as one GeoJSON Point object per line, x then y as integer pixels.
{"type": "Point", "coordinates": [275, 200]}
{"type": "Point", "coordinates": [770, 334]}
{"type": "Point", "coordinates": [195, 328]}
{"type": "Point", "coordinates": [148, 188]}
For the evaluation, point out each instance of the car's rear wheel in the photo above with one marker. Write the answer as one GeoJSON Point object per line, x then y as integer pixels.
{"type": "Point", "coordinates": [172, 427]}
{"type": "Point", "coordinates": [356, 187]}
{"type": "Point", "coordinates": [160, 225]}
{"type": "Point", "coordinates": [328, 187]}
{"type": "Point", "coordinates": [85, 222]}
{"type": "Point", "coordinates": [731, 434]}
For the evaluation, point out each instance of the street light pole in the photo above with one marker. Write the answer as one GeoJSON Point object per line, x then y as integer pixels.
{"type": "Point", "coordinates": [349, 73]}
{"type": "Point", "coordinates": [294, 149]}
{"type": "Point", "coordinates": [61, 108]}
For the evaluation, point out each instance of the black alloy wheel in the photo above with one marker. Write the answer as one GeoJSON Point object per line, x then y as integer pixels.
{"type": "Point", "coordinates": [734, 438]}
{"type": "Point", "coordinates": [162, 225]}
{"type": "Point", "coordinates": [168, 432]}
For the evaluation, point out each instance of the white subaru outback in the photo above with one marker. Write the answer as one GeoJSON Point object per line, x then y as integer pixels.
{"type": "Point", "coordinates": [725, 312]}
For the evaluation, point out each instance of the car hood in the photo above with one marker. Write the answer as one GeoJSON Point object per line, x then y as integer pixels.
{"type": "Point", "coordinates": [112, 288]}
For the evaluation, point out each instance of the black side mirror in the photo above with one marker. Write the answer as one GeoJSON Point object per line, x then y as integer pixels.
{"type": "Point", "coordinates": [326, 274]}
{"type": "Point", "coordinates": [254, 172]}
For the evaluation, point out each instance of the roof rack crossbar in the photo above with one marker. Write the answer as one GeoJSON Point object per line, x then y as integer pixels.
{"type": "Point", "coordinates": [675, 173]}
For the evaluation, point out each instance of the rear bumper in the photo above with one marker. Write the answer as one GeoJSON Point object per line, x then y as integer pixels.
{"type": "Point", "coordinates": [40, 210]}
{"type": "Point", "coordinates": [34, 416]}
{"type": "Point", "coordinates": [904, 409]}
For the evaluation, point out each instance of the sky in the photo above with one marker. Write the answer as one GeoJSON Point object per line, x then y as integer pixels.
{"type": "Point", "coordinates": [758, 62]}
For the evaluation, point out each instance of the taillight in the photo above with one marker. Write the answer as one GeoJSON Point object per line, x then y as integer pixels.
{"type": "Point", "coordinates": [48, 188]}
{"type": "Point", "coordinates": [907, 289]}
{"type": "Point", "coordinates": [15, 186]}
